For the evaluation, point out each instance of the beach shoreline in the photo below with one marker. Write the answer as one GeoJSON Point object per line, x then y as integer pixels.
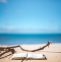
{"type": "Point", "coordinates": [53, 52]}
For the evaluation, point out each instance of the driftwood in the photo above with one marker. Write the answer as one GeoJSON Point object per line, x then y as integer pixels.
{"type": "Point", "coordinates": [12, 48]}
{"type": "Point", "coordinates": [7, 49]}
{"type": "Point", "coordinates": [41, 48]}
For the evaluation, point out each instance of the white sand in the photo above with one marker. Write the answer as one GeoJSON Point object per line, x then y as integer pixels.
{"type": "Point", "coordinates": [53, 53]}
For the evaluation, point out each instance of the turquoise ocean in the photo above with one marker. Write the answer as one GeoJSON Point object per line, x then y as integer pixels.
{"type": "Point", "coordinates": [29, 38]}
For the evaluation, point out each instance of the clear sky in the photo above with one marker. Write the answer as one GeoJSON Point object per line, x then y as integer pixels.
{"type": "Point", "coordinates": [30, 16]}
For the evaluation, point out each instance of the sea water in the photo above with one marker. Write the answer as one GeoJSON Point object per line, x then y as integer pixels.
{"type": "Point", "coordinates": [29, 38]}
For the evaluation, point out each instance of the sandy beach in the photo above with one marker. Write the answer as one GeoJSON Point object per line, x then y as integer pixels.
{"type": "Point", "coordinates": [53, 53]}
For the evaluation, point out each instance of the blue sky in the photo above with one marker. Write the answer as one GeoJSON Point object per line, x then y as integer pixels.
{"type": "Point", "coordinates": [30, 16]}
